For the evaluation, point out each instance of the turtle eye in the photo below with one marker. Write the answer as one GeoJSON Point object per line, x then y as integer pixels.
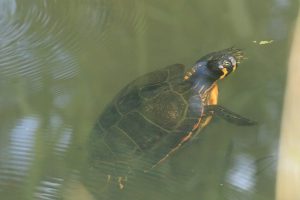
{"type": "Point", "coordinates": [226, 63]}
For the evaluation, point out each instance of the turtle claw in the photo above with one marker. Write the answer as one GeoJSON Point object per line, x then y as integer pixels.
{"type": "Point", "coordinates": [228, 115]}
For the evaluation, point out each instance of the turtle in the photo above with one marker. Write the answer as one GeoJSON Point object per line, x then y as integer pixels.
{"type": "Point", "coordinates": [156, 114]}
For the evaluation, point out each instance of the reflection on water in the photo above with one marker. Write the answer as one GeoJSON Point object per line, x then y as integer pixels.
{"type": "Point", "coordinates": [241, 175]}
{"type": "Point", "coordinates": [19, 153]}
{"type": "Point", "coordinates": [49, 189]}
{"type": "Point", "coordinates": [61, 62]}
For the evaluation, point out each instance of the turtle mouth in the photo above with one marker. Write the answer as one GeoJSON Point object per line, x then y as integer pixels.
{"type": "Point", "coordinates": [224, 71]}
{"type": "Point", "coordinates": [226, 68]}
{"type": "Point", "coordinates": [235, 56]}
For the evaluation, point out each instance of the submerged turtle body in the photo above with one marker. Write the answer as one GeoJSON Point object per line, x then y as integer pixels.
{"type": "Point", "coordinates": [158, 112]}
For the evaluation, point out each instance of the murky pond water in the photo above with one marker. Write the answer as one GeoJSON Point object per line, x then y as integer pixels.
{"type": "Point", "coordinates": [62, 62]}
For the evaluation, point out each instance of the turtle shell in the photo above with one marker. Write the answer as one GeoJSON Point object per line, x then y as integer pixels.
{"type": "Point", "coordinates": [150, 118]}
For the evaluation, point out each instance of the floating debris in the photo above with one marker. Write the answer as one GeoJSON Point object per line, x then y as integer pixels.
{"type": "Point", "coordinates": [263, 42]}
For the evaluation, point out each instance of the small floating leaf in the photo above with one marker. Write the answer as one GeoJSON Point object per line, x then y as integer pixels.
{"type": "Point", "coordinates": [263, 42]}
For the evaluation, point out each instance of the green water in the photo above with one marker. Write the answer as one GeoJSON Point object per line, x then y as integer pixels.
{"type": "Point", "coordinates": [61, 62]}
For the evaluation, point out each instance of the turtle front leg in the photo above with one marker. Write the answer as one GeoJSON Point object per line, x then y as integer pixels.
{"type": "Point", "coordinates": [228, 115]}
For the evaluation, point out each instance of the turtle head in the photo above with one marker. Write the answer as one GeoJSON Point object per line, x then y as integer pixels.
{"type": "Point", "coordinates": [218, 65]}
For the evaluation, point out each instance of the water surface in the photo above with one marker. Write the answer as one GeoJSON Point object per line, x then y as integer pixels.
{"type": "Point", "coordinates": [61, 62]}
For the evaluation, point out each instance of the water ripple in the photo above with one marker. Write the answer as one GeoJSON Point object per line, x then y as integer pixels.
{"type": "Point", "coordinates": [42, 38]}
{"type": "Point", "coordinates": [17, 157]}
{"type": "Point", "coordinates": [136, 18]}
{"type": "Point", "coordinates": [41, 44]}
{"type": "Point", "coordinates": [49, 189]}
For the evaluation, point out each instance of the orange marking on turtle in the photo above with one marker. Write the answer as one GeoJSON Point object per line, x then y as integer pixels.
{"type": "Point", "coordinates": [189, 73]}
{"type": "Point", "coordinates": [213, 100]}
{"type": "Point", "coordinates": [213, 97]}
{"type": "Point", "coordinates": [183, 140]}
